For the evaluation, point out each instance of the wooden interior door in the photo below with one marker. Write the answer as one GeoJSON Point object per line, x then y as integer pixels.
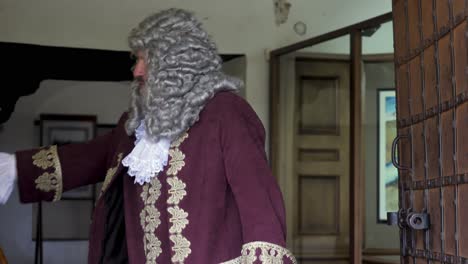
{"type": "Point", "coordinates": [432, 112]}
{"type": "Point", "coordinates": [315, 165]}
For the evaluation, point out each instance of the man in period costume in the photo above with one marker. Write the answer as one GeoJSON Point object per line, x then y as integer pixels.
{"type": "Point", "coordinates": [185, 175]}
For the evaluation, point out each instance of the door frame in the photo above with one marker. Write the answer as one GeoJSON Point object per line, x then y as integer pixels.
{"type": "Point", "coordinates": [357, 178]}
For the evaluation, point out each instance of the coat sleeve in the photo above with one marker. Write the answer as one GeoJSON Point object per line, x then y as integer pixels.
{"type": "Point", "coordinates": [45, 173]}
{"type": "Point", "coordinates": [255, 190]}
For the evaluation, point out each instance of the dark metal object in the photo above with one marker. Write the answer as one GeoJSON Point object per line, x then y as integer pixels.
{"type": "Point", "coordinates": [394, 148]}
{"type": "Point", "coordinates": [405, 219]}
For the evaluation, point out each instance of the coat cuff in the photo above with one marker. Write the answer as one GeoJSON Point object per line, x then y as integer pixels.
{"type": "Point", "coordinates": [263, 252]}
{"type": "Point", "coordinates": [39, 174]}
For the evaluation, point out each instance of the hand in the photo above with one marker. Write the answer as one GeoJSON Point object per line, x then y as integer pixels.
{"type": "Point", "coordinates": [8, 175]}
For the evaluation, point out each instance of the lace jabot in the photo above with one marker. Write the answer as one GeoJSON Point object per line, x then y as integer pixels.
{"type": "Point", "coordinates": [147, 158]}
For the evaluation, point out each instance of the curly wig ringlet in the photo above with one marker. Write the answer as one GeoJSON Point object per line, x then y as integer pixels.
{"type": "Point", "coordinates": [184, 72]}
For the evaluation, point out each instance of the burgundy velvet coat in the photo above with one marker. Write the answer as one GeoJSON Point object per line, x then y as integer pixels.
{"type": "Point", "coordinates": [215, 202]}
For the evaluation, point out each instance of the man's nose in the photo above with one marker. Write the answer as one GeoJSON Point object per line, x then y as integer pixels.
{"type": "Point", "coordinates": [138, 71]}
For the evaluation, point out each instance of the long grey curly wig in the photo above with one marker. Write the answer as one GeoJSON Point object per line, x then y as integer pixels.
{"type": "Point", "coordinates": [184, 72]}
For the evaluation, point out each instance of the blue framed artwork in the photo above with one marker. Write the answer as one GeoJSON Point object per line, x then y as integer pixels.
{"type": "Point", "coordinates": [387, 173]}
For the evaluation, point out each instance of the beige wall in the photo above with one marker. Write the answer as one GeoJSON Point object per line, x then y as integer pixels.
{"type": "Point", "coordinates": [236, 67]}
{"type": "Point", "coordinates": [380, 42]}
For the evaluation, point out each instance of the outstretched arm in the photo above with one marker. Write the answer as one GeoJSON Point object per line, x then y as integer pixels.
{"type": "Point", "coordinates": [45, 173]}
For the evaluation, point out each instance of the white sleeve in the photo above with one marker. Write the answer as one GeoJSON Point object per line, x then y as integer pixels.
{"type": "Point", "coordinates": [8, 175]}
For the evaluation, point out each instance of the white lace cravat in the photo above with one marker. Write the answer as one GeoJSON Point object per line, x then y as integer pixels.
{"type": "Point", "coordinates": [147, 158]}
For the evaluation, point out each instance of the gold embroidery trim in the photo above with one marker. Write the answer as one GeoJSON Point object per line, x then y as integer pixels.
{"type": "Point", "coordinates": [49, 181]}
{"type": "Point", "coordinates": [177, 192]}
{"type": "Point", "coordinates": [178, 142]}
{"type": "Point", "coordinates": [150, 219]}
{"type": "Point", "coordinates": [110, 174]}
{"type": "Point", "coordinates": [269, 253]}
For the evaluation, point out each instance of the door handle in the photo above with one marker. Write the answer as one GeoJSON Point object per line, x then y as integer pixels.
{"type": "Point", "coordinates": [394, 147]}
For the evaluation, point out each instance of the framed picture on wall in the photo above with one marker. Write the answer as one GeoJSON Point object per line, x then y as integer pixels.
{"type": "Point", "coordinates": [387, 173]}
{"type": "Point", "coordinates": [102, 129]}
{"type": "Point", "coordinates": [66, 129]}
{"type": "Point", "coordinates": [69, 218]}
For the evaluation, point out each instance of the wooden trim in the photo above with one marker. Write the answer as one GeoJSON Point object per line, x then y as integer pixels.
{"type": "Point", "coordinates": [67, 117]}
{"type": "Point", "coordinates": [274, 114]}
{"type": "Point", "coordinates": [322, 258]}
{"type": "Point", "coordinates": [106, 125]}
{"type": "Point", "coordinates": [334, 34]}
{"type": "Point", "coordinates": [375, 58]}
{"type": "Point", "coordinates": [335, 154]}
{"type": "Point", "coordinates": [37, 122]}
{"type": "Point", "coordinates": [321, 57]}
{"type": "Point", "coordinates": [381, 251]}
{"type": "Point", "coordinates": [332, 57]}
{"type": "Point", "coordinates": [378, 260]}
{"type": "Point", "coordinates": [356, 176]}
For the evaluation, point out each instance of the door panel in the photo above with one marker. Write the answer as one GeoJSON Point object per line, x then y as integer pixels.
{"type": "Point", "coordinates": [314, 157]}
{"type": "Point", "coordinates": [322, 128]}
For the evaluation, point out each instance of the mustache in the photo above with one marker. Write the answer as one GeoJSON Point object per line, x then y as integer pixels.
{"type": "Point", "coordinates": [139, 79]}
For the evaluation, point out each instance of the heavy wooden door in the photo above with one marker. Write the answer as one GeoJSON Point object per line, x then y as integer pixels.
{"type": "Point", "coordinates": [431, 73]}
